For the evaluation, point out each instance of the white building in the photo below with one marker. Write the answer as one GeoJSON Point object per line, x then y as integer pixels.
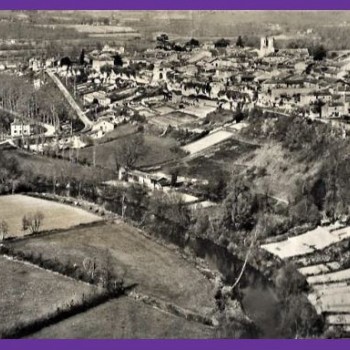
{"type": "Point", "coordinates": [21, 129]}
{"type": "Point", "coordinates": [267, 46]}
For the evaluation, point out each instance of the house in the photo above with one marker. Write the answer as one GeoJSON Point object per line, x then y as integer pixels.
{"type": "Point", "coordinates": [151, 181]}
{"type": "Point", "coordinates": [103, 125]}
{"type": "Point", "coordinates": [99, 96]}
{"type": "Point", "coordinates": [334, 109]}
{"type": "Point", "coordinates": [21, 129]}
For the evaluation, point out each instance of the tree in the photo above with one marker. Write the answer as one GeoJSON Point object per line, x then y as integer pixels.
{"type": "Point", "coordinates": [82, 57]}
{"type": "Point", "coordinates": [32, 222]}
{"type": "Point", "coordinates": [239, 42]}
{"type": "Point", "coordinates": [163, 38]}
{"type": "Point", "coordinates": [129, 151]}
{"type": "Point", "coordinates": [319, 53]}
{"type": "Point", "coordinates": [240, 205]}
{"type": "Point", "coordinates": [192, 43]}
{"type": "Point", "coordinates": [118, 61]}
{"type": "Point", "coordinates": [222, 43]}
{"type": "Point", "coordinates": [4, 228]}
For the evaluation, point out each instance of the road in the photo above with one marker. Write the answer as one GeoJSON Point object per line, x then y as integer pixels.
{"type": "Point", "coordinates": [82, 116]}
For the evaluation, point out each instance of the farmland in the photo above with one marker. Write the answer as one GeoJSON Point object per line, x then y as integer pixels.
{"type": "Point", "coordinates": [220, 159]}
{"type": "Point", "coordinates": [57, 216]}
{"type": "Point", "coordinates": [125, 318]}
{"type": "Point", "coordinates": [155, 270]}
{"type": "Point", "coordinates": [328, 280]}
{"type": "Point", "coordinates": [28, 293]}
{"type": "Point", "coordinates": [207, 142]}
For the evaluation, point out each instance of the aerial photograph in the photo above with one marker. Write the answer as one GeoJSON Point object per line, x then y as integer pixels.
{"type": "Point", "coordinates": [174, 174]}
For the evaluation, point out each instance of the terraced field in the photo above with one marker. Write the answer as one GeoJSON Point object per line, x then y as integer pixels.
{"type": "Point", "coordinates": [329, 282]}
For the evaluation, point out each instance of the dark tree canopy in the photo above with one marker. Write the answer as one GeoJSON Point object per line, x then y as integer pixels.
{"type": "Point", "coordinates": [82, 57]}
{"type": "Point", "coordinates": [163, 38]}
{"type": "Point", "coordinates": [222, 43]}
{"type": "Point", "coordinates": [319, 53]}
{"type": "Point", "coordinates": [118, 61]}
{"type": "Point", "coordinates": [239, 42]}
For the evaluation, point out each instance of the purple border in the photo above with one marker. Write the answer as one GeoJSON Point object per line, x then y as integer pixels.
{"type": "Point", "coordinates": [175, 344]}
{"type": "Point", "coordinates": [175, 4]}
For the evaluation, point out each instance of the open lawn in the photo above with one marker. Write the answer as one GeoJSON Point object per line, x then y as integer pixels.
{"type": "Point", "coordinates": [156, 270]}
{"type": "Point", "coordinates": [157, 150]}
{"type": "Point", "coordinates": [28, 293]}
{"type": "Point", "coordinates": [56, 215]}
{"type": "Point", "coordinates": [125, 318]}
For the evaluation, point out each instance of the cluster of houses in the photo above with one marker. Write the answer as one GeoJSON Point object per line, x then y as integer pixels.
{"type": "Point", "coordinates": [114, 85]}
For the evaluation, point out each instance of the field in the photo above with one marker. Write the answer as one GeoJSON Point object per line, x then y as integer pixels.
{"type": "Point", "coordinates": [157, 150]}
{"type": "Point", "coordinates": [125, 318]}
{"type": "Point", "coordinates": [218, 160]}
{"type": "Point", "coordinates": [57, 215]}
{"type": "Point", "coordinates": [44, 166]}
{"type": "Point", "coordinates": [28, 293]}
{"type": "Point", "coordinates": [93, 29]}
{"type": "Point", "coordinates": [207, 141]}
{"type": "Point", "coordinates": [154, 269]}
{"type": "Point", "coordinates": [173, 118]}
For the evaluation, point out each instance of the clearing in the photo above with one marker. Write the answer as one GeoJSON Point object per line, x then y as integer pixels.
{"type": "Point", "coordinates": [57, 215]}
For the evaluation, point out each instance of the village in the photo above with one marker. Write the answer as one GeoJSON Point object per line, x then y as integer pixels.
{"type": "Point", "coordinates": [225, 159]}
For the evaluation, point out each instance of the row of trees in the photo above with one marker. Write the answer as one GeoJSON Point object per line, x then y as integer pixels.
{"type": "Point", "coordinates": [18, 95]}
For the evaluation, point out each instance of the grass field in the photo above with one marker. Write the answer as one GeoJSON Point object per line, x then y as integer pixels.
{"type": "Point", "coordinates": [28, 293]}
{"type": "Point", "coordinates": [157, 149]}
{"type": "Point", "coordinates": [57, 215]}
{"type": "Point", "coordinates": [157, 271]}
{"type": "Point", "coordinates": [40, 165]}
{"type": "Point", "coordinates": [125, 318]}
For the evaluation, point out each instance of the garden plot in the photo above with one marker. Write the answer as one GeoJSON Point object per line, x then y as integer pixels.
{"type": "Point", "coordinates": [339, 319]}
{"type": "Point", "coordinates": [317, 239]}
{"type": "Point", "coordinates": [174, 119]}
{"type": "Point", "coordinates": [319, 269]}
{"type": "Point", "coordinates": [199, 111]}
{"type": "Point", "coordinates": [56, 215]}
{"type": "Point", "coordinates": [333, 300]}
{"type": "Point", "coordinates": [207, 141]}
{"type": "Point", "coordinates": [338, 276]}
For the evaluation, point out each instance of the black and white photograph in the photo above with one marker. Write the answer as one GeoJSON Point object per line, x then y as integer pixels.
{"type": "Point", "coordinates": [174, 174]}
